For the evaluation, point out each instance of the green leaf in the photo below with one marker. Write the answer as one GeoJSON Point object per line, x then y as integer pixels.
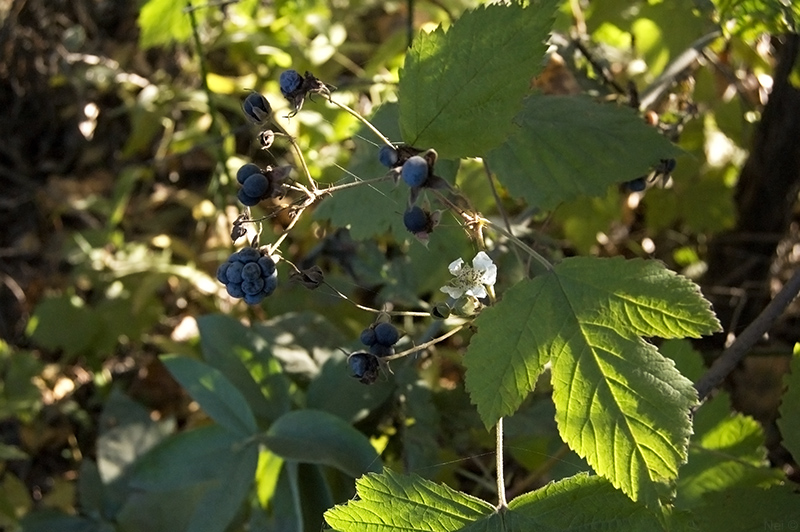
{"type": "Point", "coordinates": [390, 501]}
{"type": "Point", "coordinates": [592, 503]}
{"type": "Point", "coordinates": [320, 438]}
{"type": "Point", "coordinates": [749, 509]}
{"type": "Point", "coordinates": [726, 450]}
{"type": "Point", "coordinates": [460, 88]}
{"type": "Point", "coordinates": [214, 393]}
{"type": "Point", "coordinates": [184, 459]}
{"type": "Point", "coordinates": [246, 360]}
{"type": "Point", "coordinates": [163, 22]}
{"type": "Point", "coordinates": [570, 146]}
{"type": "Point", "coordinates": [790, 409]}
{"type": "Point", "coordinates": [220, 503]}
{"type": "Point", "coordinates": [618, 401]}
{"type": "Point", "coordinates": [179, 498]}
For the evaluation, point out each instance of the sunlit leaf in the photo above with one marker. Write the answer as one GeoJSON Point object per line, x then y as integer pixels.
{"type": "Point", "coordinates": [726, 450]}
{"type": "Point", "coordinates": [460, 88]}
{"type": "Point", "coordinates": [618, 401]}
{"type": "Point", "coordinates": [390, 501]}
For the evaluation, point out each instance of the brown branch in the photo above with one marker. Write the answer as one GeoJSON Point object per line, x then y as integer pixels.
{"type": "Point", "coordinates": [731, 357]}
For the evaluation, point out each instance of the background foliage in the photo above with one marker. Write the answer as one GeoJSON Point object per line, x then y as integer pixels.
{"type": "Point", "coordinates": [124, 129]}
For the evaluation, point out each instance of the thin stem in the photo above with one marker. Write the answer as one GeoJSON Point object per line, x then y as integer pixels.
{"type": "Point", "coordinates": [362, 119]}
{"type": "Point", "coordinates": [529, 250]}
{"type": "Point", "coordinates": [302, 159]}
{"type": "Point", "coordinates": [731, 357]}
{"type": "Point", "coordinates": [272, 247]}
{"type": "Point", "coordinates": [426, 345]}
{"type": "Point", "coordinates": [501, 481]}
{"type": "Point", "coordinates": [499, 204]}
{"type": "Point", "coordinates": [212, 106]}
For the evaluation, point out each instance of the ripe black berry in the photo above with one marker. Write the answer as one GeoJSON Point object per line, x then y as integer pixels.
{"type": "Point", "coordinates": [386, 334]}
{"type": "Point", "coordinates": [416, 220]}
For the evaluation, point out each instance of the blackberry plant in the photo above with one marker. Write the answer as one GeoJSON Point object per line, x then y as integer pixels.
{"type": "Point", "coordinates": [581, 356]}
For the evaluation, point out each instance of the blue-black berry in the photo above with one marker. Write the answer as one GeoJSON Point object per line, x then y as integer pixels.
{"type": "Point", "coordinates": [416, 220]}
{"type": "Point", "coordinates": [388, 156]}
{"type": "Point", "coordinates": [246, 171]}
{"type": "Point", "coordinates": [368, 337]}
{"type": "Point", "coordinates": [415, 171]}
{"type": "Point", "coordinates": [364, 367]}
{"type": "Point", "coordinates": [248, 274]}
{"type": "Point", "coordinates": [290, 82]}
{"type": "Point", "coordinates": [636, 185]}
{"type": "Point", "coordinates": [386, 334]}
{"type": "Point", "coordinates": [256, 185]}
{"type": "Point", "coordinates": [256, 108]}
{"type": "Point", "coordinates": [246, 199]}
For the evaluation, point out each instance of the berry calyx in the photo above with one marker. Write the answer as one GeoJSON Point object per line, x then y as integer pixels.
{"type": "Point", "coordinates": [256, 108]}
{"type": "Point", "coordinates": [388, 156]}
{"type": "Point", "coordinates": [415, 171]}
{"type": "Point", "coordinates": [364, 367]}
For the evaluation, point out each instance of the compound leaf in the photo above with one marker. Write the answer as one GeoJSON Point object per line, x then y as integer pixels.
{"type": "Point", "coordinates": [569, 146]}
{"type": "Point", "coordinates": [460, 88]}
{"type": "Point", "coordinates": [619, 403]}
{"type": "Point", "coordinates": [318, 437]}
{"type": "Point", "coordinates": [390, 501]}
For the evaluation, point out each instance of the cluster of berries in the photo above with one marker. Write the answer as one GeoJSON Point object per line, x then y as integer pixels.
{"type": "Point", "coordinates": [258, 184]}
{"type": "Point", "coordinates": [249, 274]}
{"type": "Point", "coordinates": [380, 338]}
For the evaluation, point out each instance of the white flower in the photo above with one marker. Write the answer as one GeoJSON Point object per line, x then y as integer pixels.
{"type": "Point", "coordinates": [471, 280]}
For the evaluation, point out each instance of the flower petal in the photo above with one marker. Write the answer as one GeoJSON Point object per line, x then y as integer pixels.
{"type": "Point", "coordinates": [489, 275]}
{"type": "Point", "coordinates": [452, 291]}
{"type": "Point", "coordinates": [478, 291]}
{"type": "Point", "coordinates": [482, 261]}
{"type": "Point", "coordinates": [455, 266]}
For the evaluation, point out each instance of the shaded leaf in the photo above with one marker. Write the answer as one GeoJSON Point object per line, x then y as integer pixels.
{"type": "Point", "coordinates": [245, 358]}
{"type": "Point", "coordinates": [618, 401]}
{"type": "Point", "coordinates": [390, 501]}
{"type": "Point", "coordinates": [569, 146]}
{"type": "Point", "coordinates": [317, 437]}
{"type": "Point", "coordinates": [460, 88]}
{"type": "Point", "coordinates": [214, 393]}
{"type": "Point", "coordinates": [184, 459]}
{"type": "Point", "coordinates": [748, 509]}
{"type": "Point", "coordinates": [789, 421]}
